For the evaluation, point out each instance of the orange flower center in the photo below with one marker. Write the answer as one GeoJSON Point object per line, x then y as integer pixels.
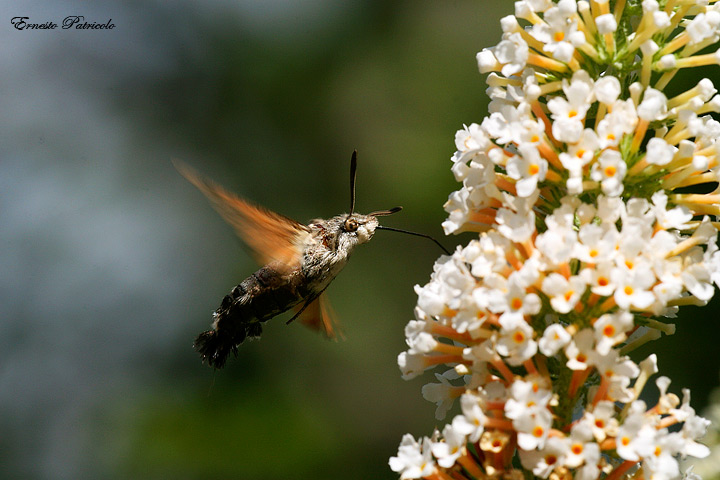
{"type": "Point", "coordinates": [516, 303]}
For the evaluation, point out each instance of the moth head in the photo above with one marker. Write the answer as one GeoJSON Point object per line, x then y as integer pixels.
{"type": "Point", "coordinates": [357, 228]}
{"type": "Point", "coordinates": [346, 231]}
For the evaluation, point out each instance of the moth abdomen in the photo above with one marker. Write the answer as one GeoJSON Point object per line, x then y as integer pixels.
{"type": "Point", "coordinates": [263, 295]}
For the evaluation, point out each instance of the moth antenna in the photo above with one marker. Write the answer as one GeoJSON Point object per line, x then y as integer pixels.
{"type": "Point", "coordinates": [353, 172]}
{"type": "Point", "coordinates": [385, 213]}
{"type": "Point", "coordinates": [414, 233]}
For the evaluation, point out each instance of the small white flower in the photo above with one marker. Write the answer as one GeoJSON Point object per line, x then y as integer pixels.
{"type": "Point", "coordinates": [515, 342]}
{"type": "Point", "coordinates": [609, 208]}
{"type": "Point", "coordinates": [600, 279]}
{"type": "Point", "coordinates": [610, 330]}
{"type": "Point", "coordinates": [577, 156]}
{"type": "Point", "coordinates": [542, 462]}
{"type": "Point", "coordinates": [581, 448]}
{"type": "Point", "coordinates": [634, 433]}
{"type": "Point", "coordinates": [606, 23]}
{"type": "Point", "coordinates": [568, 118]}
{"type": "Point", "coordinates": [659, 152]}
{"type": "Point", "coordinates": [591, 469]}
{"type": "Point", "coordinates": [554, 338]}
{"type": "Point", "coordinates": [512, 53]}
{"type": "Point", "coordinates": [526, 397]}
{"type": "Point", "coordinates": [597, 244]}
{"type": "Point", "coordinates": [523, 7]}
{"type": "Point", "coordinates": [557, 33]}
{"type": "Point", "coordinates": [610, 170]}
{"type": "Point", "coordinates": [471, 138]}
{"type": "Point", "coordinates": [607, 89]}
{"type": "Point", "coordinates": [557, 244]}
{"type": "Point", "coordinates": [659, 453]}
{"type": "Point", "coordinates": [564, 293]}
{"type": "Point", "coordinates": [442, 394]}
{"type": "Point", "coordinates": [533, 428]}
{"type": "Point", "coordinates": [619, 371]}
{"type": "Point", "coordinates": [512, 297]}
{"type": "Point", "coordinates": [580, 350]}
{"type": "Point", "coordinates": [621, 120]}
{"type": "Point", "coordinates": [413, 461]}
{"type": "Point", "coordinates": [486, 61]}
{"type": "Point", "coordinates": [653, 105]}
{"type": "Point", "coordinates": [515, 226]}
{"type": "Point", "coordinates": [528, 168]}
{"type": "Point", "coordinates": [448, 450]}
{"type": "Point", "coordinates": [411, 365]}
{"type": "Point", "coordinates": [667, 62]}
{"type": "Point", "coordinates": [676, 218]}
{"type": "Point", "coordinates": [703, 26]}
{"type": "Point", "coordinates": [473, 418]}
{"type": "Point", "coordinates": [601, 420]}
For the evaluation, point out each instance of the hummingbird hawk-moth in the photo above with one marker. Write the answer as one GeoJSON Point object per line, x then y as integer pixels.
{"type": "Point", "coordinates": [299, 262]}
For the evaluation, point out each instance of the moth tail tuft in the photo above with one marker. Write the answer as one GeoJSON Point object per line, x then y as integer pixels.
{"type": "Point", "coordinates": [215, 346]}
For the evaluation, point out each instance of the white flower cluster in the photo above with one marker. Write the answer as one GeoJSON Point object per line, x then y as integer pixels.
{"type": "Point", "coordinates": [479, 444]}
{"type": "Point", "coordinates": [584, 244]}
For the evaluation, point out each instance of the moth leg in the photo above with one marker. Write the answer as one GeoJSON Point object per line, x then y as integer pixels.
{"type": "Point", "coordinates": [305, 305]}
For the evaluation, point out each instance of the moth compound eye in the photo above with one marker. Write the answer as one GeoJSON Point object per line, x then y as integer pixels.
{"type": "Point", "coordinates": [351, 225]}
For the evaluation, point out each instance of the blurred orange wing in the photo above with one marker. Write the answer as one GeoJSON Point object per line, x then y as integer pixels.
{"type": "Point", "coordinates": [319, 315]}
{"type": "Point", "coordinates": [271, 236]}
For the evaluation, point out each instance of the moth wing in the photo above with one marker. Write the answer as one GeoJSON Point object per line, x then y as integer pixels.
{"type": "Point", "coordinates": [319, 316]}
{"type": "Point", "coordinates": [272, 237]}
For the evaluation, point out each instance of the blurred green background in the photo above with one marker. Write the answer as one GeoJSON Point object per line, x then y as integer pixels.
{"type": "Point", "coordinates": [112, 263]}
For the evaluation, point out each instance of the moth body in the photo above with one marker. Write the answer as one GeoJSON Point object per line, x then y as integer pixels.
{"type": "Point", "coordinates": [325, 248]}
{"type": "Point", "coordinates": [299, 262]}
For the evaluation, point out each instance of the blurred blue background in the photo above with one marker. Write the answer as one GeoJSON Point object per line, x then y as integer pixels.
{"type": "Point", "coordinates": [112, 263]}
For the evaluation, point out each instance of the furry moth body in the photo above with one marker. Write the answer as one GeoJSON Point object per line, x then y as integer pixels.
{"type": "Point", "coordinates": [300, 261]}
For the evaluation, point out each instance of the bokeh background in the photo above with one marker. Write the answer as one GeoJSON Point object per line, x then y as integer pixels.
{"type": "Point", "coordinates": [111, 263]}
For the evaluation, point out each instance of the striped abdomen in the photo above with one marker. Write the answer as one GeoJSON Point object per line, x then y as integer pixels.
{"type": "Point", "coordinates": [263, 295]}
